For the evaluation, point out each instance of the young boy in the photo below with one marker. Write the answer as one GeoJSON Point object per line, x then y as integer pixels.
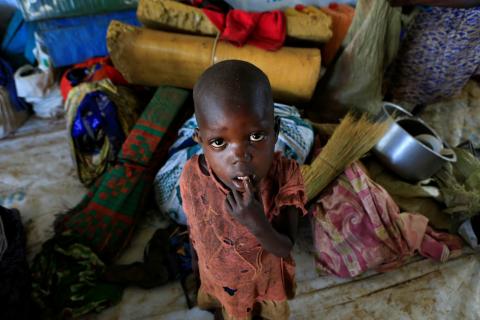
{"type": "Point", "coordinates": [241, 199]}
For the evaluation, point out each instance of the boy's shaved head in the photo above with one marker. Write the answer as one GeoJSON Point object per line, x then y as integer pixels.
{"type": "Point", "coordinates": [232, 84]}
{"type": "Point", "coordinates": [236, 127]}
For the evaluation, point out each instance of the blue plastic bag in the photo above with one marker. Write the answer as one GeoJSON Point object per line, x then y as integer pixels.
{"type": "Point", "coordinates": [73, 40]}
{"type": "Point", "coordinates": [18, 42]}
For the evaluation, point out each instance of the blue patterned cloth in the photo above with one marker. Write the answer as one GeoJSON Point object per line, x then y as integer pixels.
{"type": "Point", "coordinates": [96, 116]}
{"type": "Point", "coordinates": [295, 140]}
{"type": "Point", "coordinates": [439, 55]}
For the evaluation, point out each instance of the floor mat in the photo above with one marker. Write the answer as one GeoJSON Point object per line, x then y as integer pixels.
{"type": "Point", "coordinates": [37, 177]}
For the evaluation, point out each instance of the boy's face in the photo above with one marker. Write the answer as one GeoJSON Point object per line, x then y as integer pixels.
{"type": "Point", "coordinates": [237, 142]}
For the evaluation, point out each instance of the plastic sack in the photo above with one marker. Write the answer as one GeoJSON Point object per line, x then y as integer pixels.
{"type": "Point", "coordinates": [18, 41]}
{"type": "Point", "coordinates": [38, 88]}
{"type": "Point", "coordinates": [91, 164]}
{"type": "Point", "coordinates": [73, 40]}
{"type": "Point", "coordinates": [456, 119]}
{"type": "Point", "coordinates": [46, 9]}
{"type": "Point", "coordinates": [269, 5]}
{"type": "Point", "coordinates": [372, 43]}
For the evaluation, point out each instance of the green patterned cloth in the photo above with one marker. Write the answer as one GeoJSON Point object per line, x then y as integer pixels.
{"type": "Point", "coordinates": [105, 218]}
{"type": "Point", "coordinates": [66, 272]}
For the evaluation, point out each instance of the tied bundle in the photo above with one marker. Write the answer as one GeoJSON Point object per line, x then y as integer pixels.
{"type": "Point", "coordinates": [350, 140]}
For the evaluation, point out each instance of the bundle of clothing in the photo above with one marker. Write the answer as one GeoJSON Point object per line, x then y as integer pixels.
{"type": "Point", "coordinates": [358, 227]}
{"type": "Point", "coordinates": [448, 199]}
{"type": "Point", "coordinates": [99, 117]}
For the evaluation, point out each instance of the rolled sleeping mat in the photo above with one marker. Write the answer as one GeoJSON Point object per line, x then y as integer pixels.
{"type": "Point", "coordinates": [154, 58]}
{"type": "Point", "coordinates": [172, 15]}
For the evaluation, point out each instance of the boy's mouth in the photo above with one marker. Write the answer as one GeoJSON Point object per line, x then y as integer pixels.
{"type": "Point", "coordinates": [239, 181]}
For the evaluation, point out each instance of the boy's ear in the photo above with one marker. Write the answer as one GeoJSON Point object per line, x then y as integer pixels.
{"type": "Point", "coordinates": [277, 127]}
{"type": "Point", "coordinates": [196, 136]}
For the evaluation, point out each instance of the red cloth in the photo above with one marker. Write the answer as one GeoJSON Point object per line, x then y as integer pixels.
{"type": "Point", "coordinates": [266, 30]}
{"type": "Point", "coordinates": [100, 68]}
{"type": "Point", "coordinates": [358, 227]}
{"type": "Point", "coordinates": [229, 255]}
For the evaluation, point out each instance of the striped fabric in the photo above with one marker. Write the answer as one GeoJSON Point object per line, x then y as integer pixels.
{"type": "Point", "coordinates": [105, 218]}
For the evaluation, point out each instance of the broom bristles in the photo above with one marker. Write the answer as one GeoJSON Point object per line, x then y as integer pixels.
{"type": "Point", "coordinates": [348, 143]}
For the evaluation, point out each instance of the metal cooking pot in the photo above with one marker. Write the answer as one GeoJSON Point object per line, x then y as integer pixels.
{"type": "Point", "coordinates": [401, 152]}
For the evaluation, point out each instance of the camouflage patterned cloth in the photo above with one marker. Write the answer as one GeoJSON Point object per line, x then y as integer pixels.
{"type": "Point", "coordinates": [65, 280]}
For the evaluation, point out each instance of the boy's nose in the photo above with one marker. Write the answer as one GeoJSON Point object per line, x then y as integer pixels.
{"type": "Point", "coordinates": [241, 153]}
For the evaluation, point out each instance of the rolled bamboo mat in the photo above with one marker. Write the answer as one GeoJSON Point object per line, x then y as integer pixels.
{"type": "Point", "coordinates": [311, 24]}
{"type": "Point", "coordinates": [173, 15]}
{"type": "Point", "coordinates": [153, 58]}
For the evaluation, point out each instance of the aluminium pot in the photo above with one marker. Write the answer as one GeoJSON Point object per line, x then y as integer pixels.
{"type": "Point", "coordinates": [411, 158]}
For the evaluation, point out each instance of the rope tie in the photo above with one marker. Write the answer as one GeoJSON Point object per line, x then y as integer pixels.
{"type": "Point", "coordinates": [214, 49]}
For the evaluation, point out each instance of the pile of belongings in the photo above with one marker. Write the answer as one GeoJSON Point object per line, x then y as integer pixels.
{"type": "Point", "coordinates": [68, 272]}
{"type": "Point", "coordinates": [100, 112]}
{"type": "Point", "coordinates": [160, 53]}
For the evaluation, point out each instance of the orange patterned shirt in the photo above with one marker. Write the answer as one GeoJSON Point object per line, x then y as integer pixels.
{"type": "Point", "coordinates": [233, 266]}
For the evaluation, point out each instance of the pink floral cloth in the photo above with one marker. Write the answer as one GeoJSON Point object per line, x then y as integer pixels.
{"type": "Point", "coordinates": [358, 227]}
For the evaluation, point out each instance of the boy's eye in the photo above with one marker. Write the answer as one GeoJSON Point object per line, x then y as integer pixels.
{"type": "Point", "coordinates": [255, 137]}
{"type": "Point", "coordinates": [217, 143]}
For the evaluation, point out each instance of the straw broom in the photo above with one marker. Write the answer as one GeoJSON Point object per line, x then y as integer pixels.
{"type": "Point", "coordinates": [352, 138]}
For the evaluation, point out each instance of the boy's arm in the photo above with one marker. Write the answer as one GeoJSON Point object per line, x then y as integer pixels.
{"type": "Point", "coordinates": [277, 237]}
{"type": "Point", "coordinates": [247, 210]}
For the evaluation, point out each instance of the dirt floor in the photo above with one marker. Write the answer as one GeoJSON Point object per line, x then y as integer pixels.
{"type": "Point", "coordinates": [38, 178]}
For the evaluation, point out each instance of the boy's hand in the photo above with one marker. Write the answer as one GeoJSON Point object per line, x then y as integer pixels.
{"type": "Point", "coordinates": [245, 208]}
